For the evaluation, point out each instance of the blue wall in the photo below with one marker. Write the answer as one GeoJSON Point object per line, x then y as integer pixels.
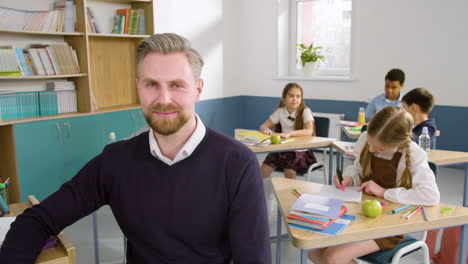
{"type": "Point", "coordinates": [226, 114]}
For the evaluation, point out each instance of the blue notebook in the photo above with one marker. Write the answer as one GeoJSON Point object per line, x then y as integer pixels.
{"type": "Point", "coordinates": [333, 229]}
{"type": "Point", "coordinates": [318, 205]}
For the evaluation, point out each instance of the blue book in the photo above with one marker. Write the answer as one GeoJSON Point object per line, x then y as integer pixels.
{"type": "Point", "coordinates": [22, 60]}
{"type": "Point", "coordinates": [318, 205]}
{"type": "Point", "coordinates": [331, 230]}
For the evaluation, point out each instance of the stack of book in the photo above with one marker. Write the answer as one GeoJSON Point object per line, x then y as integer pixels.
{"type": "Point", "coordinates": [129, 21]}
{"type": "Point", "coordinates": [39, 59]}
{"type": "Point", "coordinates": [66, 96]}
{"type": "Point", "coordinates": [60, 19]}
{"type": "Point", "coordinates": [254, 138]}
{"type": "Point", "coordinates": [319, 214]}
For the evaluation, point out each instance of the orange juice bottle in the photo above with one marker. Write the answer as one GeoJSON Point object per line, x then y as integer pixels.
{"type": "Point", "coordinates": [361, 116]}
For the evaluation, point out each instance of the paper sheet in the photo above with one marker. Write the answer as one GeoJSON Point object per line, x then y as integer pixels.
{"type": "Point", "coordinates": [350, 195]}
{"type": "Point", "coordinates": [5, 223]}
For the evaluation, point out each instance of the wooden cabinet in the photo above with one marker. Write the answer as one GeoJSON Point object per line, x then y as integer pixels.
{"type": "Point", "coordinates": [46, 154]}
{"type": "Point", "coordinates": [32, 153]}
{"type": "Point", "coordinates": [45, 162]}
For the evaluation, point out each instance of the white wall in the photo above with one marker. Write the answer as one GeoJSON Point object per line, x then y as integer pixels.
{"type": "Point", "coordinates": [425, 38]}
{"type": "Point", "coordinates": [212, 27]}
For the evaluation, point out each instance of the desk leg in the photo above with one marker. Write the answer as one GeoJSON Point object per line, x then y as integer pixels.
{"type": "Point", "coordinates": [96, 238]}
{"type": "Point", "coordinates": [463, 244]}
{"type": "Point", "coordinates": [304, 259]}
{"type": "Point", "coordinates": [464, 228]}
{"type": "Point", "coordinates": [330, 165]}
{"type": "Point", "coordinates": [278, 237]}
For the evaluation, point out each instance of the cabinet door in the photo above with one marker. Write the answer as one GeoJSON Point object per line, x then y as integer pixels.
{"type": "Point", "coordinates": [81, 142]}
{"type": "Point", "coordinates": [123, 123]}
{"type": "Point", "coordinates": [40, 159]}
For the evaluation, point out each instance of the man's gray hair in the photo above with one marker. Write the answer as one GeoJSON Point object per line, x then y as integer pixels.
{"type": "Point", "coordinates": [167, 43]}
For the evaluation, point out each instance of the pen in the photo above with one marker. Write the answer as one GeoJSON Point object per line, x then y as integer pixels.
{"type": "Point", "coordinates": [296, 192]}
{"type": "Point", "coordinates": [340, 179]}
{"type": "Point", "coordinates": [425, 213]}
{"type": "Point", "coordinates": [398, 209]}
{"type": "Point", "coordinates": [409, 212]}
{"type": "Point", "coordinates": [414, 212]}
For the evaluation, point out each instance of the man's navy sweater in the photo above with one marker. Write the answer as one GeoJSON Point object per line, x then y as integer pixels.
{"type": "Point", "coordinates": [207, 208]}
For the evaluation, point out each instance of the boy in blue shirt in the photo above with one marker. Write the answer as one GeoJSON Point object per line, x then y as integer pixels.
{"type": "Point", "coordinates": [394, 81]}
{"type": "Point", "coordinates": [419, 102]}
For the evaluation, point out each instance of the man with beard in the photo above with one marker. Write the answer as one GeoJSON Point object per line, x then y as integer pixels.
{"type": "Point", "coordinates": [181, 192]}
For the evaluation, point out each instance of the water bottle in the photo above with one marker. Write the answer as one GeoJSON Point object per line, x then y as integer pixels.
{"type": "Point", "coordinates": [112, 137]}
{"type": "Point", "coordinates": [425, 140]}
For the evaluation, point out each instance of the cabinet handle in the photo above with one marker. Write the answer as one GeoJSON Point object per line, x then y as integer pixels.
{"type": "Point", "coordinates": [59, 130]}
{"type": "Point", "coordinates": [69, 128]}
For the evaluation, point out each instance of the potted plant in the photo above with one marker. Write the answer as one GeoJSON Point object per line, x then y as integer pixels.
{"type": "Point", "coordinates": [310, 57]}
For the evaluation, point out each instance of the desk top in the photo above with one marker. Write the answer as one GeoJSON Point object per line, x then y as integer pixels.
{"type": "Point", "coordinates": [439, 157]}
{"type": "Point", "coordinates": [353, 134]}
{"type": "Point", "coordinates": [305, 142]}
{"type": "Point", "coordinates": [363, 228]}
{"type": "Point", "coordinates": [63, 253]}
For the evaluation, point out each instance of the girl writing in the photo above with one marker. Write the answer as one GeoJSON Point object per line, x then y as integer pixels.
{"type": "Point", "coordinates": [389, 165]}
{"type": "Point", "coordinates": [291, 118]}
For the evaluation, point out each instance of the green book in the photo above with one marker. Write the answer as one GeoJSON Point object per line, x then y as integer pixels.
{"type": "Point", "coordinates": [133, 23]}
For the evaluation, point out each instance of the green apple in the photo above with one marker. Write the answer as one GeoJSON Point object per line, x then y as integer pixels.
{"type": "Point", "coordinates": [275, 139]}
{"type": "Point", "coordinates": [371, 208]}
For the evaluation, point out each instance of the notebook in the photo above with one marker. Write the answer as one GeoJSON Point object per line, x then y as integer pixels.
{"type": "Point", "coordinates": [313, 222]}
{"type": "Point", "coordinates": [318, 205]}
{"type": "Point", "coordinates": [333, 229]}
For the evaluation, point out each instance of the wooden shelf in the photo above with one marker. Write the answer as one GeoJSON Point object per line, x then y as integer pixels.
{"type": "Point", "coordinates": [116, 35]}
{"type": "Point", "coordinates": [125, 1]}
{"type": "Point", "coordinates": [39, 77]}
{"type": "Point", "coordinates": [6, 31]}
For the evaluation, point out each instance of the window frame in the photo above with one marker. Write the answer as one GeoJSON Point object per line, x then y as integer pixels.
{"type": "Point", "coordinates": [286, 49]}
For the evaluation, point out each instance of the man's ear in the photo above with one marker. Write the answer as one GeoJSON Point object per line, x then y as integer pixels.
{"type": "Point", "coordinates": [199, 89]}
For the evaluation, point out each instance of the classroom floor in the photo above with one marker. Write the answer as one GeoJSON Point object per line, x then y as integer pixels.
{"type": "Point", "coordinates": [450, 181]}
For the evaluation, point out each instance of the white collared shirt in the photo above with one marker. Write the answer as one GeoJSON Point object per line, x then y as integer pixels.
{"type": "Point", "coordinates": [424, 190]}
{"type": "Point", "coordinates": [280, 115]}
{"type": "Point", "coordinates": [185, 151]}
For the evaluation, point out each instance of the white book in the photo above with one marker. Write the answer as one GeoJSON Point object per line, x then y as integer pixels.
{"type": "Point", "coordinates": [37, 61]}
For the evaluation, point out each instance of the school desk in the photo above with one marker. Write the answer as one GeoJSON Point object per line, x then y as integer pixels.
{"type": "Point", "coordinates": [63, 253]}
{"type": "Point", "coordinates": [362, 228]}
{"type": "Point", "coordinates": [440, 158]}
{"type": "Point", "coordinates": [305, 142]}
{"type": "Point", "coordinates": [351, 133]}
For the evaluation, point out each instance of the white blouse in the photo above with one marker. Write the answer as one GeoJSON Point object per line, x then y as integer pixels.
{"type": "Point", "coordinates": [424, 190]}
{"type": "Point", "coordinates": [280, 115]}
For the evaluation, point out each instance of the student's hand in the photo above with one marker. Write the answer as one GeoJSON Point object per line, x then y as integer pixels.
{"type": "Point", "coordinates": [285, 135]}
{"type": "Point", "coordinates": [372, 188]}
{"type": "Point", "coordinates": [347, 180]}
{"type": "Point", "coordinates": [267, 131]}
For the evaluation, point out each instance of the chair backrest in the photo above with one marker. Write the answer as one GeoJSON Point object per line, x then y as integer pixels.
{"type": "Point", "coordinates": [363, 128]}
{"type": "Point", "coordinates": [322, 126]}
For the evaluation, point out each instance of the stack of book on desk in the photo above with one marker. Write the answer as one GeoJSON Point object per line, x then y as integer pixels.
{"type": "Point", "coordinates": [254, 138]}
{"type": "Point", "coordinates": [319, 214]}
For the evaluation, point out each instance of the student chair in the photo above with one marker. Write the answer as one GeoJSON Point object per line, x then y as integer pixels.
{"type": "Point", "coordinates": [322, 129]}
{"type": "Point", "coordinates": [407, 246]}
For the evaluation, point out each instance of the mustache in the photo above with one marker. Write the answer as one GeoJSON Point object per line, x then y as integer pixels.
{"type": "Point", "coordinates": [165, 108]}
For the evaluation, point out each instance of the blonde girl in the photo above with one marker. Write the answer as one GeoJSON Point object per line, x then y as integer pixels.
{"type": "Point", "coordinates": [291, 118]}
{"type": "Point", "coordinates": [388, 165]}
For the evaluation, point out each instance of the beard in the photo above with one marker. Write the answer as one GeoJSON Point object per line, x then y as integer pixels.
{"type": "Point", "coordinates": [166, 126]}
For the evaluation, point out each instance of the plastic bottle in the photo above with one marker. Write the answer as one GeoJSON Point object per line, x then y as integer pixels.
{"type": "Point", "coordinates": [361, 116]}
{"type": "Point", "coordinates": [425, 140]}
{"type": "Point", "coordinates": [112, 137]}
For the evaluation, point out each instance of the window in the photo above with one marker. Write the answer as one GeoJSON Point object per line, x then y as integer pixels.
{"type": "Point", "coordinates": [326, 23]}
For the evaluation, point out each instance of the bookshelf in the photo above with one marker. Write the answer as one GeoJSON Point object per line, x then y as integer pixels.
{"type": "Point", "coordinates": [105, 83]}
